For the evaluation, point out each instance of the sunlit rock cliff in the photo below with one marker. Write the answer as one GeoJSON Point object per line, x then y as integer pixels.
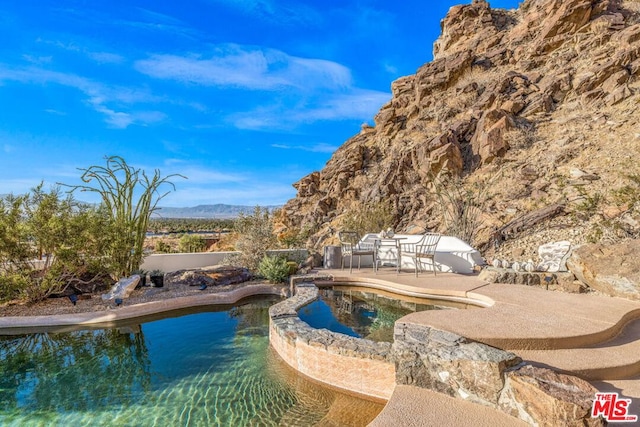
{"type": "Point", "coordinates": [533, 112]}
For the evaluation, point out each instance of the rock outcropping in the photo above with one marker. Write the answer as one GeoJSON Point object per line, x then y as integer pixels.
{"type": "Point", "coordinates": [527, 108]}
{"type": "Point", "coordinates": [611, 269]}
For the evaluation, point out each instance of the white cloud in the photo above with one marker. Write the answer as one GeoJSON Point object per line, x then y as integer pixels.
{"type": "Point", "coordinates": [99, 94]}
{"type": "Point", "coordinates": [254, 193]}
{"type": "Point", "coordinates": [247, 68]}
{"type": "Point", "coordinates": [106, 57]}
{"type": "Point", "coordinates": [277, 12]}
{"type": "Point", "coordinates": [197, 175]}
{"type": "Point", "coordinates": [357, 104]}
{"type": "Point", "coordinates": [316, 148]}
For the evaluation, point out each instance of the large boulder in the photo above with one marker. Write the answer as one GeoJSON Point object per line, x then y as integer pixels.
{"type": "Point", "coordinates": [610, 269]}
{"type": "Point", "coordinates": [214, 276]}
{"type": "Point", "coordinates": [443, 361]}
{"type": "Point", "coordinates": [542, 397]}
{"type": "Point", "coordinates": [123, 288]}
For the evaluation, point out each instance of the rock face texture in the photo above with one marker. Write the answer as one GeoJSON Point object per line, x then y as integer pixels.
{"type": "Point", "coordinates": [611, 269]}
{"type": "Point", "coordinates": [513, 103]}
{"type": "Point", "coordinates": [448, 363]}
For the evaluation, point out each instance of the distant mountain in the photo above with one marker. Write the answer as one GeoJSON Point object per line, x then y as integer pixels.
{"type": "Point", "coordinates": [220, 211]}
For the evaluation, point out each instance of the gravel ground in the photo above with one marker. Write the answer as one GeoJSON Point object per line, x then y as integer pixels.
{"type": "Point", "coordinates": [89, 303]}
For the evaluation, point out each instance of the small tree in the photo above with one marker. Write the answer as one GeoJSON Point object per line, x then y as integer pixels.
{"type": "Point", "coordinates": [48, 243]}
{"type": "Point", "coordinates": [129, 196]}
{"type": "Point", "coordinates": [255, 236]}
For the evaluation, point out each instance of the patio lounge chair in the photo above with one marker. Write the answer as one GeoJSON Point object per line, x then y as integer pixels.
{"type": "Point", "coordinates": [425, 248]}
{"type": "Point", "coordinates": [352, 246]}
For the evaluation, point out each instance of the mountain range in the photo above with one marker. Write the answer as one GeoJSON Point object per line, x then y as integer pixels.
{"type": "Point", "coordinates": [217, 211]}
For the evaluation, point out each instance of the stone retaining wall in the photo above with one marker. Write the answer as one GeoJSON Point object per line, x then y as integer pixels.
{"type": "Point", "coordinates": [352, 364]}
{"type": "Point", "coordinates": [454, 365]}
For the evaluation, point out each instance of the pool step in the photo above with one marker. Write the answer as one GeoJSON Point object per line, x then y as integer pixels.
{"type": "Point", "coordinates": [615, 359]}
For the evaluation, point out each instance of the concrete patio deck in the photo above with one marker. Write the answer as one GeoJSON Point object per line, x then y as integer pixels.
{"type": "Point", "coordinates": [594, 337]}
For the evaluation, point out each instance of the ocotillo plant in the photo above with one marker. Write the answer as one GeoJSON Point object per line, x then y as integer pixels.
{"type": "Point", "coordinates": [130, 196]}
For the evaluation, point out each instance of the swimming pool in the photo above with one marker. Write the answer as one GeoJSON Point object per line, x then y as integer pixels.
{"type": "Point", "coordinates": [212, 368]}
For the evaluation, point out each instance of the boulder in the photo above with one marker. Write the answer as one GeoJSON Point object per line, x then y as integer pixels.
{"type": "Point", "coordinates": [443, 361]}
{"type": "Point", "coordinates": [553, 256]}
{"type": "Point", "coordinates": [122, 288]}
{"type": "Point", "coordinates": [610, 269]}
{"type": "Point", "coordinates": [542, 397]}
{"type": "Point", "coordinates": [213, 276]}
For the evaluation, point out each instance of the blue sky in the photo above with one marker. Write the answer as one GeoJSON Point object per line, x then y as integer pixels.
{"type": "Point", "coordinates": [244, 97]}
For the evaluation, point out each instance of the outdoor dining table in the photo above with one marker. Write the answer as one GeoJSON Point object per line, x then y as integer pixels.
{"type": "Point", "coordinates": [391, 242]}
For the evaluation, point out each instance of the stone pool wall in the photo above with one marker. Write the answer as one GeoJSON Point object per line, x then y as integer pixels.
{"type": "Point", "coordinates": [429, 358]}
{"type": "Point", "coordinates": [352, 364]}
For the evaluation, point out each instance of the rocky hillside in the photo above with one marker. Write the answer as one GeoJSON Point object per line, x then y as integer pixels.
{"type": "Point", "coordinates": [525, 127]}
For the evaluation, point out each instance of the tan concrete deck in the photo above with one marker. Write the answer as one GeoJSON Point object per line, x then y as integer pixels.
{"type": "Point", "coordinates": [595, 337]}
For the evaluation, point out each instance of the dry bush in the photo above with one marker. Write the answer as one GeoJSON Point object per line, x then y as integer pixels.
{"type": "Point", "coordinates": [368, 217]}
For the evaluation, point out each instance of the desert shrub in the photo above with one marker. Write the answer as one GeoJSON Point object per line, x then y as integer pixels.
{"type": "Point", "coordinates": [162, 247]}
{"type": "Point", "coordinates": [368, 217]}
{"type": "Point", "coordinates": [255, 237]}
{"type": "Point", "coordinates": [48, 242]}
{"type": "Point", "coordinates": [293, 237]}
{"type": "Point", "coordinates": [191, 243]}
{"type": "Point", "coordinates": [293, 267]}
{"type": "Point", "coordinates": [275, 269]}
{"type": "Point", "coordinates": [461, 206]}
{"type": "Point", "coordinates": [12, 285]}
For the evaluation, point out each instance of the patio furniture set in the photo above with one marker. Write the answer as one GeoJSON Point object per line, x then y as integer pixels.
{"type": "Point", "coordinates": [383, 249]}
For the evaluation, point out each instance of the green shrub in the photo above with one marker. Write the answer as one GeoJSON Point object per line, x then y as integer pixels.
{"type": "Point", "coordinates": [13, 285]}
{"type": "Point", "coordinates": [255, 237]}
{"type": "Point", "coordinates": [274, 268]}
{"type": "Point", "coordinates": [162, 247]}
{"type": "Point", "coordinates": [191, 243]}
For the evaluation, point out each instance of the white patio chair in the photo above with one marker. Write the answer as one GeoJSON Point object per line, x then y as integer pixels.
{"type": "Point", "coordinates": [353, 246]}
{"type": "Point", "coordinates": [423, 249]}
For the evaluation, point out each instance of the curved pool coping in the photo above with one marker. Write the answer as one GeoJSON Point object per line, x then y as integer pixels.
{"type": "Point", "coordinates": [107, 317]}
{"type": "Point", "coordinates": [464, 297]}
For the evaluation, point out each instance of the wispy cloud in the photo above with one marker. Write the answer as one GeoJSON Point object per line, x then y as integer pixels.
{"type": "Point", "coordinates": [106, 57]}
{"type": "Point", "coordinates": [247, 68]}
{"type": "Point", "coordinates": [200, 175]}
{"type": "Point", "coordinates": [55, 112]}
{"type": "Point", "coordinates": [357, 104]}
{"type": "Point", "coordinates": [316, 148]}
{"type": "Point", "coordinates": [276, 12]}
{"type": "Point", "coordinates": [100, 57]}
{"type": "Point", "coordinates": [99, 95]}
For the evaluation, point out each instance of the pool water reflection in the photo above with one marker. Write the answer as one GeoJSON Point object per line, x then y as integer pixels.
{"type": "Point", "coordinates": [207, 369]}
{"type": "Point", "coordinates": [363, 313]}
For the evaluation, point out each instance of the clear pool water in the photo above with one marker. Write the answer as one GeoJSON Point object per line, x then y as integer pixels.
{"type": "Point", "coordinates": [363, 313]}
{"type": "Point", "coordinates": [204, 369]}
